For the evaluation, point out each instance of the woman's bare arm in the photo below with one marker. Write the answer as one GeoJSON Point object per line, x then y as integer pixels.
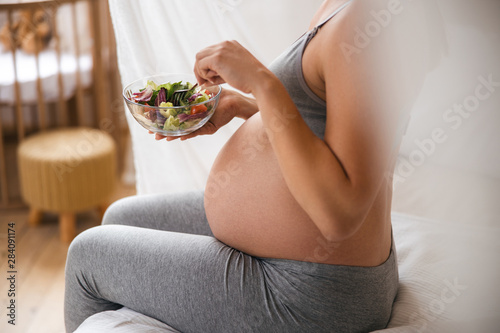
{"type": "Point", "coordinates": [335, 180]}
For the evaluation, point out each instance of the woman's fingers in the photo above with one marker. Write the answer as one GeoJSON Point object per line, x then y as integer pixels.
{"type": "Point", "coordinates": [199, 78]}
{"type": "Point", "coordinates": [228, 62]}
{"type": "Point", "coordinates": [215, 80]}
{"type": "Point", "coordinates": [206, 76]}
{"type": "Point", "coordinates": [182, 138]}
{"type": "Point", "coordinates": [202, 74]}
{"type": "Point", "coordinates": [209, 128]}
{"type": "Point", "coordinates": [158, 136]}
{"type": "Point", "coordinates": [205, 68]}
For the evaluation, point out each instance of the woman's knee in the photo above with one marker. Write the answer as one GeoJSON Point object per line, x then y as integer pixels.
{"type": "Point", "coordinates": [85, 266]}
{"type": "Point", "coordinates": [86, 252]}
{"type": "Point", "coordinates": [88, 247]}
{"type": "Point", "coordinates": [117, 212]}
{"type": "Point", "coordinates": [80, 247]}
{"type": "Point", "coordinates": [77, 262]}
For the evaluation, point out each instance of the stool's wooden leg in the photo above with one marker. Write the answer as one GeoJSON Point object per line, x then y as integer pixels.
{"type": "Point", "coordinates": [67, 227]}
{"type": "Point", "coordinates": [35, 216]}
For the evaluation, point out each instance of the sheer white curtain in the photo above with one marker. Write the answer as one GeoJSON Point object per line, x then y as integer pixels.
{"type": "Point", "coordinates": [163, 37]}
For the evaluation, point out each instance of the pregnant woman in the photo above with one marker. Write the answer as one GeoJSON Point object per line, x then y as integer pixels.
{"type": "Point", "coordinates": [297, 238]}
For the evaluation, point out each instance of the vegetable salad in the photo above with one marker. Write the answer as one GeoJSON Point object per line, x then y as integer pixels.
{"type": "Point", "coordinates": [182, 110]}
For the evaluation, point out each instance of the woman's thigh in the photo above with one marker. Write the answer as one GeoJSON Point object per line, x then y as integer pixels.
{"type": "Point", "coordinates": [179, 212]}
{"type": "Point", "coordinates": [192, 282]}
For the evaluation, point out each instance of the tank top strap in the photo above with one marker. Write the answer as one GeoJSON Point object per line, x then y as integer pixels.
{"type": "Point", "coordinates": [333, 14]}
{"type": "Point", "coordinates": [316, 28]}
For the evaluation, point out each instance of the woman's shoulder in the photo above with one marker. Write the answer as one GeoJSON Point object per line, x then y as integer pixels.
{"type": "Point", "coordinates": [378, 39]}
{"type": "Point", "coordinates": [367, 29]}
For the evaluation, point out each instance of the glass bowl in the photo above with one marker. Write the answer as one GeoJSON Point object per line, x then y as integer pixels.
{"type": "Point", "coordinates": [171, 120]}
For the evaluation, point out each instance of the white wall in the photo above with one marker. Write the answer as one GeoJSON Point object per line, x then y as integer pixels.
{"type": "Point", "coordinates": [457, 176]}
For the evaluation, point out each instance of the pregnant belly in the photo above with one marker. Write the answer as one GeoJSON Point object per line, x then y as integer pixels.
{"type": "Point", "coordinates": [248, 204]}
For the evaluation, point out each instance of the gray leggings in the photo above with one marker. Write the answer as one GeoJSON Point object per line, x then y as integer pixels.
{"type": "Point", "coordinates": [156, 255]}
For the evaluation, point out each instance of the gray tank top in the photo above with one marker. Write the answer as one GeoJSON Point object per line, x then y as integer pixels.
{"type": "Point", "coordinates": [288, 68]}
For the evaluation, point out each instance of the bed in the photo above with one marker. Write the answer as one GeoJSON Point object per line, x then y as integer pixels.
{"type": "Point", "coordinates": [70, 66]}
{"type": "Point", "coordinates": [64, 52]}
{"type": "Point", "coordinates": [446, 212]}
{"type": "Point", "coordinates": [49, 69]}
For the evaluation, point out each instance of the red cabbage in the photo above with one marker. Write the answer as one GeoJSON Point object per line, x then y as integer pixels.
{"type": "Point", "coordinates": [160, 120]}
{"type": "Point", "coordinates": [161, 97]}
{"type": "Point", "coordinates": [185, 117]}
{"type": "Point", "coordinates": [144, 96]}
{"type": "Point", "coordinates": [193, 97]}
{"type": "Point", "coordinates": [151, 115]}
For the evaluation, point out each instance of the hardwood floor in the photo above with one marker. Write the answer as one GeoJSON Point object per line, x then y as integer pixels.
{"type": "Point", "coordinates": [40, 261]}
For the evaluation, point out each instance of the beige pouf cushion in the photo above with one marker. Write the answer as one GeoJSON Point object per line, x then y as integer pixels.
{"type": "Point", "coordinates": [66, 171]}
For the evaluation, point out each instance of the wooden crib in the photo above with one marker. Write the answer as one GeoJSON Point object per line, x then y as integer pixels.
{"type": "Point", "coordinates": [57, 68]}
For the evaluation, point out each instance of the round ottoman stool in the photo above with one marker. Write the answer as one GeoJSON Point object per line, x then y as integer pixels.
{"type": "Point", "coordinates": [67, 171]}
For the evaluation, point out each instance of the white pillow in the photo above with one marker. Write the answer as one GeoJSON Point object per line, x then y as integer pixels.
{"type": "Point", "coordinates": [123, 320]}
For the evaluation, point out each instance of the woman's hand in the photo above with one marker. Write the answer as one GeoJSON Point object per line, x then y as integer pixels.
{"type": "Point", "coordinates": [229, 62]}
{"type": "Point", "coordinates": [231, 104]}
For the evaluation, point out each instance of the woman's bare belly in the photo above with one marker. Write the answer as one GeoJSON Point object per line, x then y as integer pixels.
{"type": "Point", "coordinates": [250, 208]}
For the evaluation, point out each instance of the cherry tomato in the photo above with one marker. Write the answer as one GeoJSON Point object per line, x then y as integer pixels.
{"type": "Point", "coordinates": [198, 109]}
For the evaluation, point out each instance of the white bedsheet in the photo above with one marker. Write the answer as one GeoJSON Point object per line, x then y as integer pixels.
{"type": "Point", "coordinates": [49, 69]}
{"type": "Point", "coordinates": [123, 320]}
{"type": "Point", "coordinates": [448, 282]}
